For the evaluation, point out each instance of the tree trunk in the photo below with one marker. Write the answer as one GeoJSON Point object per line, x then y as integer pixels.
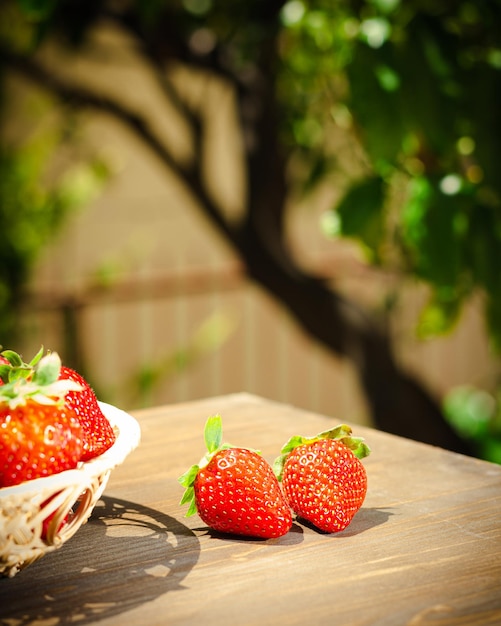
{"type": "Point", "coordinates": [398, 403]}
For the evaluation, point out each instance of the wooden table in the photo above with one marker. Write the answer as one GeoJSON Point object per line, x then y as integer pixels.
{"type": "Point", "coordinates": [424, 549]}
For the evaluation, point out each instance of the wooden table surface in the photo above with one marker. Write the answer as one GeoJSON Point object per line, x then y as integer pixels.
{"type": "Point", "coordinates": [424, 549]}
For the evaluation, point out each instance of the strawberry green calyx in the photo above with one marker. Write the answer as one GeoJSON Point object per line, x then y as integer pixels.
{"type": "Point", "coordinates": [342, 433]}
{"type": "Point", "coordinates": [12, 366]}
{"type": "Point", "coordinates": [38, 381]}
{"type": "Point", "coordinates": [213, 435]}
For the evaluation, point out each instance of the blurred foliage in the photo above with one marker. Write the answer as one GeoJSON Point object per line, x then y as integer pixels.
{"type": "Point", "coordinates": [212, 333]}
{"type": "Point", "coordinates": [476, 415]}
{"type": "Point", "coordinates": [420, 85]}
{"type": "Point", "coordinates": [416, 84]}
{"type": "Point", "coordinates": [32, 210]}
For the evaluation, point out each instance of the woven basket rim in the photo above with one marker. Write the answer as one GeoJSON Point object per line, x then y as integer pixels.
{"type": "Point", "coordinates": [128, 436]}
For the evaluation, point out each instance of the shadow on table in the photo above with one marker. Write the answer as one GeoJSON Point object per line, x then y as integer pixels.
{"type": "Point", "coordinates": [293, 537]}
{"type": "Point", "coordinates": [125, 555]}
{"type": "Point", "coordinates": [365, 519]}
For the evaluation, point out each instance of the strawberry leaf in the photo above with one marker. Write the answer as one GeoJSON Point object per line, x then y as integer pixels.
{"type": "Point", "coordinates": [47, 371]}
{"type": "Point", "coordinates": [18, 373]}
{"type": "Point", "coordinates": [188, 478]}
{"type": "Point", "coordinates": [213, 433]}
{"type": "Point", "coordinates": [41, 384]}
{"type": "Point", "coordinates": [15, 369]}
{"type": "Point", "coordinates": [278, 465]}
{"type": "Point", "coordinates": [34, 361]}
{"type": "Point", "coordinates": [4, 372]}
{"type": "Point", "coordinates": [189, 497]}
{"type": "Point", "coordinates": [13, 357]}
{"type": "Point", "coordinates": [293, 442]}
{"type": "Point", "coordinates": [357, 445]}
{"type": "Point", "coordinates": [343, 430]}
{"type": "Point", "coordinates": [342, 433]}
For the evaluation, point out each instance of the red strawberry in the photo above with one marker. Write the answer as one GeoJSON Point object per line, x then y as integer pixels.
{"type": "Point", "coordinates": [234, 490]}
{"type": "Point", "coordinates": [39, 434]}
{"type": "Point", "coordinates": [98, 435]}
{"type": "Point", "coordinates": [49, 529]}
{"type": "Point", "coordinates": [323, 479]}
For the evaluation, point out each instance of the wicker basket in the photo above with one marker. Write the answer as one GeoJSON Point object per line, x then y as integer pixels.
{"type": "Point", "coordinates": [66, 499]}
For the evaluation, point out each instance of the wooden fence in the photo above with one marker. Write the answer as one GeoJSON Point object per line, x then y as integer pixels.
{"type": "Point", "coordinates": [206, 332]}
{"type": "Point", "coordinates": [188, 335]}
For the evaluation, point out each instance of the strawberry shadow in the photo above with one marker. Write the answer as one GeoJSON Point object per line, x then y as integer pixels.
{"type": "Point", "coordinates": [293, 537]}
{"type": "Point", "coordinates": [127, 554]}
{"type": "Point", "coordinates": [365, 519]}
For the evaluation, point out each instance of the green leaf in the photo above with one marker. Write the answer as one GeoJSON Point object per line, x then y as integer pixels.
{"type": "Point", "coordinates": [293, 442]}
{"type": "Point", "coordinates": [189, 498]}
{"type": "Point", "coordinates": [343, 430]}
{"type": "Point", "coordinates": [48, 369]}
{"type": "Point", "coordinates": [357, 445]}
{"type": "Point", "coordinates": [431, 233]}
{"type": "Point", "coordinates": [18, 373]}
{"type": "Point", "coordinates": [437, 318]}
{"type": "Point", "coordinates": [484, 245]}
{"type": "Point", "coordinates": [470, 410]}
{"type": "Point", "coordinates": [343, 433]}
{"type": "Point", "coordinates": [34, 361]}
{"type": "Point", "coordinates": [188, 478]}
{"type": "Point", "coordinates": [37, 9]}
{"type": "Point", "coordinates": [192, 509]}
{"type": "Point", "coordinates": [16, 369]}
{"type": "Point", "coordinates": [13, 357]}
{"type": "Point", "coordinates": [425, 59]}
{"type": "Point", "coordinates": [188, 495]}
{"type": "Point", "coordinates": [278, 466]}
{"type": "Point", "coordinates": [361, 214]}
{"type": "Point", "coordinates": [4, 372]}
{"type": "Point", "coordinates": [213, 433]}
{"type": "Point", "coordinates": [376, 109]}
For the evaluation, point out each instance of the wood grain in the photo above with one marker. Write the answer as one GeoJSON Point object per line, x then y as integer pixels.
{"type": "Point", "coordinates": [425, 549]}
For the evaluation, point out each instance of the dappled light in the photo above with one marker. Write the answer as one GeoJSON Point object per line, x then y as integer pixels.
{"type": "Point", "coordinates": [333, 166]}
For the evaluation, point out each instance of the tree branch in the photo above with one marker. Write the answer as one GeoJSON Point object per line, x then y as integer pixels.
{"type": "Point", "coordinates": [81, 97]}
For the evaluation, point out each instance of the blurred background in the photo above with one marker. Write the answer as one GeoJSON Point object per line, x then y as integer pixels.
{"type": "Point", "coordinates": [295, 199]}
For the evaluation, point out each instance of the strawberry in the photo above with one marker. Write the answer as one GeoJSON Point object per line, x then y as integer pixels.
{"type": "Point", "coordinates": [323, 478]}
{"type": "Point", "coordinates": [49, 527]}
{"type": "Point", "coordinates": [234, 490]}
{"type": "Point", "coordinates": [98, 435]}
{"type": "Point", "coordinates": [39, 434]}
